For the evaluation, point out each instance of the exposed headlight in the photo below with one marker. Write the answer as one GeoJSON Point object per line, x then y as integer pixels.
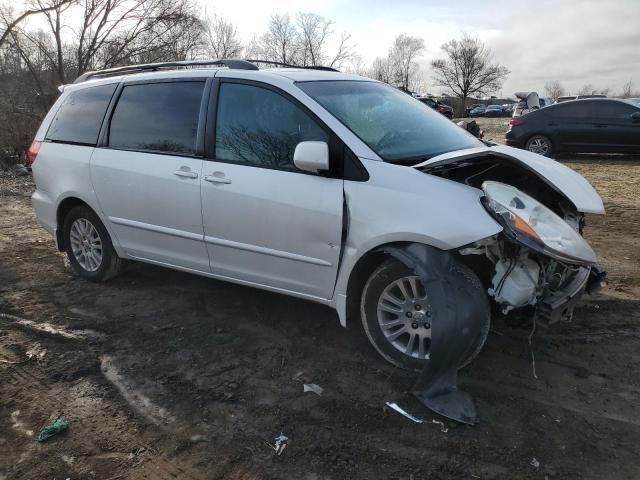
{"type": "Point", "coordinates": [535, 225]}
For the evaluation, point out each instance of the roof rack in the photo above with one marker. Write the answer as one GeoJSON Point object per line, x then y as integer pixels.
{"type": "Point", "coordinates": [152, 67]}
{"type": "Point", "coordinates": [282, 64]}
{"type": "Point", "coordinates": [227, 62]}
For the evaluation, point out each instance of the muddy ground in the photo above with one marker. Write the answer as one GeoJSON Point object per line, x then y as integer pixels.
{"type": "Point", "coordinates": [164, 375]}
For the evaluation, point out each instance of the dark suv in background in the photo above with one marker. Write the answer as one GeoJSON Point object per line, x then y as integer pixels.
{"type": "Point", "coordinates": [597, 125]}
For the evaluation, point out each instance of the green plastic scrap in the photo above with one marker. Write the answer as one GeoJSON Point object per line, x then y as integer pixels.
{"type": "Point", "coordinates": [52, 429]}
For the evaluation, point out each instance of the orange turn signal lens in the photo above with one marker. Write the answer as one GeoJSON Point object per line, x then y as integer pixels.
{"type": "Point", "coordinates": [524, 227]}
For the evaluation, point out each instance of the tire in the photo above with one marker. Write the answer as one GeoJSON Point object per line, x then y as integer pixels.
{"type": "Point", "coordinates": [539, 144]}
{"type": "Point", "coordinates": [387, 274]}
{"type": "Point", "coordinates": [84, 232]}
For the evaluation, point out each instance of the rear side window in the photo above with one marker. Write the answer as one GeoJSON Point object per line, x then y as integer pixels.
{"type": "Point", "coordinates": [613, 109]}
{"type": "Point", "coordinates": [157, 117]}
{"type": "Point", "coordinates": [79, 117]}
{"type": "Point", "coordinates": [260, 127]}
{"type": "Point", "coordinates": [577, 109]}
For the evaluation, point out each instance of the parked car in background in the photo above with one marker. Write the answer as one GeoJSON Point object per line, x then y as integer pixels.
{"type": "Point", "coordinates": [527, 102]}
{"type": "Point", "coordinates": [316, 184]}
{"type": "Point", "coordinates": [478, 111]}
{"type": "Point", "coordinates": [494, 111]}
{"type": "Point", "coordinates": [603, 125]}
{"type": "Point", "coordinates": [467, 111]}
{"type": "Point", "coordinates": [439, 107]}
{"type": "Point", "coordinates": [578, 97]}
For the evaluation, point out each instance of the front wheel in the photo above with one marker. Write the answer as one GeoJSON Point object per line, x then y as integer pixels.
{"type": "Point", "coordinates": [88, 246]}
{"type": "Point", "coordinates": [539, 144]}
{"type": "Point", "coordinates": [397, 315]}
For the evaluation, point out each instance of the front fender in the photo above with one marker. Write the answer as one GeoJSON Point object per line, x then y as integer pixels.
{"type": "Point", "coordinates": [402, 204]}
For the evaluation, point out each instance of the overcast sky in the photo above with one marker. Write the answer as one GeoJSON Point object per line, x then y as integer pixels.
{"type": "Point", "coordinates": [578, 42]}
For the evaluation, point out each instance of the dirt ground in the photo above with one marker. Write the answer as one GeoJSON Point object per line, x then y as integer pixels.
{"type": "Point", "coordinates": [164, 375]}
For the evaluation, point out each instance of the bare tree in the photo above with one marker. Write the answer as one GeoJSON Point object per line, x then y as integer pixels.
{"type": "Point", "coordinates": [278, 44]}
{"type": "Point", "coordinates": [402, 56]}
{"type": "Point", "coordinates": [627, 90]}
{"type": "Point", "coordinates": [345, 52]}
{"type": "Point", "coordinates": [222, 36]}
{"type": "Point", "coordinates": [178, 36]}
{"type": "Point", "coordinates": [554, 89]}
{"type": "Point", "coordinates": [586, 89]}
{"type": "Point", "coordinates": [468, 68]}
{"type": "Point", "coordinates": [9, 22]}
{"type": "Point", "coordinates": [303, 42]}
{"type": "Point", "coordinates": [381, 69]}
{"type": "Point", "coordinates": [357, 66]}
{"type": "Point", "coordinates": [113, 32]}
{"type": "Point", "coordinates": [313, 31]}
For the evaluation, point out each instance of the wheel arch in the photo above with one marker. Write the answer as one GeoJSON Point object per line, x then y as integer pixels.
{"type": "Point", "coordinates": [359, 274]}
{"type": "Point", "coordinates": [65, 204]}
{"type": "Point", "coordinates": [64, 207]}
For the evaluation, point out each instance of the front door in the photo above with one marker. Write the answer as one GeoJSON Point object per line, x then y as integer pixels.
{"type": "Point", "coordinates": [147, 176]}
{"type": "Point", "coordinates": [265, 222]}
{"type": "Point", "coordinates": [618, 131]}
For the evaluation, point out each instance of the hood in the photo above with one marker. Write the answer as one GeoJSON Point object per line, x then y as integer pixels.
{"type": "Point", "coordinates": [561, 178]}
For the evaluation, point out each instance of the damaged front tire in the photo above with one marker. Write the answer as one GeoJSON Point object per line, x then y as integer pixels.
{"type": "Point", "coordinates": [398, 311]}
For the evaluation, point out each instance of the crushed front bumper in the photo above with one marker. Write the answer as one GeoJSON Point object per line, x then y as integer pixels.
{"type": "Point", "coordinates": [560, 304]}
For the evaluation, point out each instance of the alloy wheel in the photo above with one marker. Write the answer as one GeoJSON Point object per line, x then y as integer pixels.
{"type": "Point", "coordinates": [539, 145]}
{"type": "Point", "coordinates": [86, 244]}
{"type": "Point", "coordinates": [404, 316]}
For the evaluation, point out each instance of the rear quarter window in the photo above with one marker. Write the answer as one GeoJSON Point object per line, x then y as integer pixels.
{"type": "Point", "coordinates": [80, 116]}
{"type": "Point", "coordinates": [614, 109]}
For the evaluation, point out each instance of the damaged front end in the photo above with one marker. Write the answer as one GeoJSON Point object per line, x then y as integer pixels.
{"type": "Point", "coordinates": [540, 260]}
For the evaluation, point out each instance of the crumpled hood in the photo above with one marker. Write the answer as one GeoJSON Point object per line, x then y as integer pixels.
{"type": "Point", "coordinates": [566, 181]}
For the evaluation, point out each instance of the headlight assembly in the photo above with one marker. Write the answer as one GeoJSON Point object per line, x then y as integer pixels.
{"type": "Point", "coordinates": [536, 226]}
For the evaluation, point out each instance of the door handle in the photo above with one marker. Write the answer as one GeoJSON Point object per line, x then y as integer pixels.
{"type": "Point", "coordinates": [552, 124]}
{"type": "Point", "coordinates": [185, 174]}
{"type": "Point", "coordinates": [217, 177]}
{"type": "Point", "coordinates": [601, 125]}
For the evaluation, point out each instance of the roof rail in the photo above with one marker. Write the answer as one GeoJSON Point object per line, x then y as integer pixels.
{"type": "Point", "coordinates": [227, 62]}
{"type": "Point", "coordinates": [152, 67]}
{"type": "Point", "coordinates": [282, 64]}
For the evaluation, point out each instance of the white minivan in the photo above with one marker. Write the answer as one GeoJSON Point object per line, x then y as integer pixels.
{"type": "Point", "coordinates": [317, 184]}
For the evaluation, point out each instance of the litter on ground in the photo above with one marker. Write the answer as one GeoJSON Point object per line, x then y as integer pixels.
{"type": "Point", "coordinates": [397, 408]}
{"type": "Point", "coordinates": [52, 429]}
{"type": "Point", "coordinates": [312, 387]}
{"type": "Point", "coordinates": [281, 442]}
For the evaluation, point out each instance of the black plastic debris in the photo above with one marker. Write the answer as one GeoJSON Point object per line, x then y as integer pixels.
{"type": "Point", "coordinates": [459, 314]}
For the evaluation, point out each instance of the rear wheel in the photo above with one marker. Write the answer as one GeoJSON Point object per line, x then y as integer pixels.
{"type": "Point", "coordinates": [397, 315]}
{"type": "Point", "coordinates": [88, 246]}
{"type": "Point", "coordinates": [539, 144]}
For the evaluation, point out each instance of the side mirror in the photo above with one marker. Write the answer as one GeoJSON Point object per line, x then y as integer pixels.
{"type": "Point", "coordinates": [635, 117]}
{"type": "Point", "coordinates": [311, 156]}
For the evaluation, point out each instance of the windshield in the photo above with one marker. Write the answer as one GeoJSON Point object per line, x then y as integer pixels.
{"type": "Point", "coordinates": [399, 128]}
